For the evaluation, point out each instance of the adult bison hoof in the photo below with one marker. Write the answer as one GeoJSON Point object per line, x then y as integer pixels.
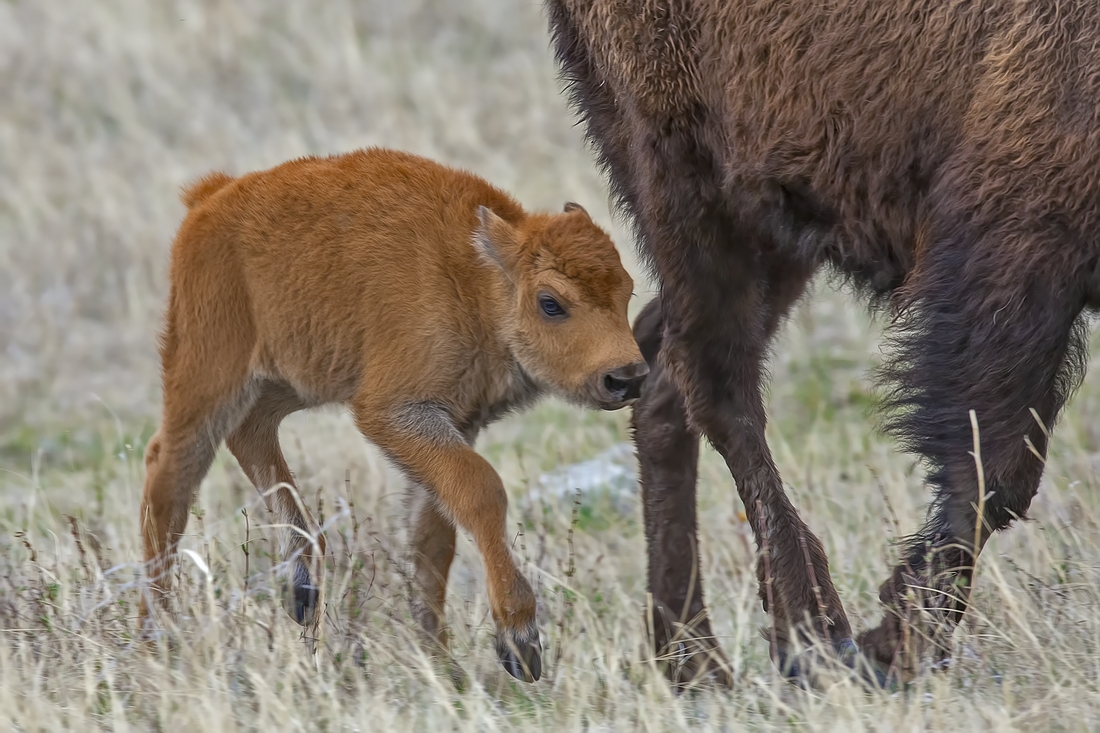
{"type": "Point", "coordinates": [301, 596]}
{"type": "Point", "coordinates": [802, 669]}
{"type": "Point", "coordinates": [521, 653]}
{"type": "Point", "coordinates": [868, 670]}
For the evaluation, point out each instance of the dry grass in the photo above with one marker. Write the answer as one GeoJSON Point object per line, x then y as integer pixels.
{"type": "Point", "coordinates": [106, 109]}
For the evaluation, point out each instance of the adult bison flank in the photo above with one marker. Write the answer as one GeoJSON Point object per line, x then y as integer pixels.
{"type": "Point", "coordinates": [423, 298]}
{"type": "Point", "coordinates": [945, 159]}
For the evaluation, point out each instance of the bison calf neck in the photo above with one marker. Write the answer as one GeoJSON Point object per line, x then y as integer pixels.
{"type": "Point", "coordinates": [420, 296]}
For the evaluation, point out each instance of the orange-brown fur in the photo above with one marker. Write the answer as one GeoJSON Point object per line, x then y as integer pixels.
{"type": "Point", "coordinates": [410, 292]}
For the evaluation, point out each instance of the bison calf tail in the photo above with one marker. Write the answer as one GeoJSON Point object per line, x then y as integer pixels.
{"type": "Point", "coordinates": [204, 188]}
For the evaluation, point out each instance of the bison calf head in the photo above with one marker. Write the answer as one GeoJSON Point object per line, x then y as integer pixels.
{"type": "Point", "coordinates": [566, 320]}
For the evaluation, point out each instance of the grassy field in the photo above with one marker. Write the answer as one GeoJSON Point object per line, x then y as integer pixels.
{"type": "Point", "coordinates": [106, 109]}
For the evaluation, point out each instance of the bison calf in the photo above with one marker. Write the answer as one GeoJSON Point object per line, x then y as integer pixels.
{"type": "Point", "coordinates": [420, 296]}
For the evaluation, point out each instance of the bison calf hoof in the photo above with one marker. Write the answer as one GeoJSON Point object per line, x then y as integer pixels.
{"type": "Point", "coordinates": [301, 596]}
{"type": "Point", "coordinates": [521, 653]}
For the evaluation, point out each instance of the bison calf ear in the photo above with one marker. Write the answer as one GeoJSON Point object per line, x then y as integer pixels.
{"type": "Point", "coordinates": [574, 206]}
{"type": "Point", "coordinates": [495, 240]}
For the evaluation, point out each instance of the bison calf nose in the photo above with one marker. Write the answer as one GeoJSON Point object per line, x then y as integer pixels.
{"type": "Point", "coordinates": [625, 383]}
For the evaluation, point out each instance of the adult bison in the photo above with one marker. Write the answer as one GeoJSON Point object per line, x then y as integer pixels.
{"type": "Point", "coordinates": [945, 158]}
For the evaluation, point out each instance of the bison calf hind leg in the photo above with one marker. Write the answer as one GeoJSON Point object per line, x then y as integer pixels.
{"type": "Point", "coordinates": [255, 444]}
{"type": "Point", "coordinates": [177, 458]}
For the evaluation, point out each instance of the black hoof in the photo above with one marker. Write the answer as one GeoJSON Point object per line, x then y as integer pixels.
{"type": "Point", "coordinates": [793, 667]}
{"type": "Point", "coordinates": [798, 668]}
{"type": "Point", "coordinates": [301, 600]}
{"type": "Point", "coordinates": [521, 653]}
{"type": "Point", "coordinates": [867, 670]}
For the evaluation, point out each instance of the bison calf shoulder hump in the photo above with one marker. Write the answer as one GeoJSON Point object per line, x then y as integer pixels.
{"type": "Point", "coordinates": [943, 158]}
{"type": "Point", "coordinates": [423, 298]}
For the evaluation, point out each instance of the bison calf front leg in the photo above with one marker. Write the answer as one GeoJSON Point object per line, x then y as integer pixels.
{"type": "Point", "coordinates": [424, 442]}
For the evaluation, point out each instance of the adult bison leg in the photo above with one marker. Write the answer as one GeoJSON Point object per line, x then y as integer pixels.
{"type": "Point", "coordinates": [668, 455]}
{"type": "Point", "coordinates": [990, 349]}
{"type": "Point", "coordinates": [720, 369]}
{"type": "Point", "coordinates": [715, 287]}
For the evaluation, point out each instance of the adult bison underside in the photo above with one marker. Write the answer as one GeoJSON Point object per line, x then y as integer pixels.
{"type": "Point", "coordinates": [941, 156]}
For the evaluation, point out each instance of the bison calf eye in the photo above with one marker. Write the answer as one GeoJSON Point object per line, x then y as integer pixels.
{"type": "Point", "coordinates": [550, 307]}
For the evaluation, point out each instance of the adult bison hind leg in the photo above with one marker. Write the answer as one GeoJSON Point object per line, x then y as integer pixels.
{"type": "Point", "coordinates": [984, 361]}
{"type": "Point", "coordinates": [677, 617]}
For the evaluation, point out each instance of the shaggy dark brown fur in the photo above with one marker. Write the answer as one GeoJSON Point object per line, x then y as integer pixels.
{"type": "Point", "coordinates": [945, 158]}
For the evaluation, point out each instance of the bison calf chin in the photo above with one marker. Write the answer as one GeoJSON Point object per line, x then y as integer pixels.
{"type": "Point", "coordinates": [423, 298]}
